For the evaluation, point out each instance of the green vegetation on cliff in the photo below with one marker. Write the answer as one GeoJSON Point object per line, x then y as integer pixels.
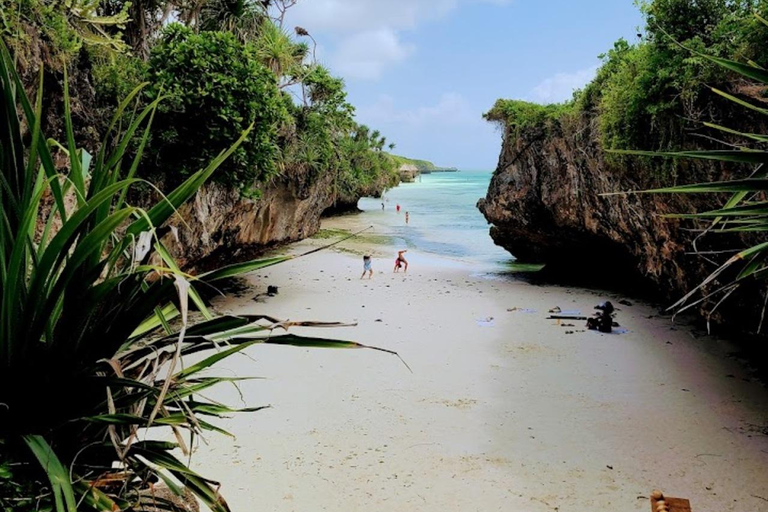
{"type": "Point", "coordinates": [648, 94]}
{"type": "Point", "coordinates": [518, 115]}
{"type": "Point", "coordinates": [422, 165]}
{"type": "Point", "coordinates": [215, 88]}
{"type": "Point", "coordinates": [223, 66]}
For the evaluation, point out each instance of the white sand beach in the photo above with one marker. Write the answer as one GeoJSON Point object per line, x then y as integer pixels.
{"type": "Point", "coordinates": [511, 414]}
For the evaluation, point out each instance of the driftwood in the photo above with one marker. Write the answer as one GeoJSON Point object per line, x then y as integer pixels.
{"type": "Point", "coordinates": [661, 503]}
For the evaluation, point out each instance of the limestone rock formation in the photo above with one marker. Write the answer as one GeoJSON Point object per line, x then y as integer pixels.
{"type": "Point", "coordinates": [222, 225]}
{"type": "Point", "coordinates": [545, 206]}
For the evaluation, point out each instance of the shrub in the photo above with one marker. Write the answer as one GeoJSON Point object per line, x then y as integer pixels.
{"type": "Point", "coordinates": [745, 213]}
{"type": "Point", "coordinates": [518, 116]}
{"type": "Point", "coordinates": [116, 78]}
{"type": "Point", "coordinates": [648, 92]}
{"type": "Point", "coordinates": [216, 88]}
{"type": "Point", "coordinates": [61, 27]}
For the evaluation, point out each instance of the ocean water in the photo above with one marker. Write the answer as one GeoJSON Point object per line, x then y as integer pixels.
{"type": "Point", "coordinates": [444, 219]}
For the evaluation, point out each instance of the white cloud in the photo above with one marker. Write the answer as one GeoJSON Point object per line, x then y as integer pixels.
{"type": "Point", "coordinates": [365, 55]}
{"type": "Point", "coordinates": [449, 131]}
{"type": "Point", "coordinates": [352, 16]}
{"type": "Point", "coordinates": [361, 15]}
{"type": "Point", "coordinates": [368, 34]}
{"type": "Point", "coordinates": [560, 87]}
{"type": "Point", "coordinates": [451, 109]}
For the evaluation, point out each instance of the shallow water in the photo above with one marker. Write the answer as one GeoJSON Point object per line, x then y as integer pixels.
{"type": "Point", "coordinates": [444, 219]}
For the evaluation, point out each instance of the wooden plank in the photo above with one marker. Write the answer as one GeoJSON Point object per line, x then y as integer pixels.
{"type": "Point", "coordinates": [675, 504]}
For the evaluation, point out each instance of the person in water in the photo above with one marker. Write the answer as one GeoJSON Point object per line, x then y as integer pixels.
{"type": "Point", "coordinates": [398, 208]}
{"type": "Point", "coordinates": [401, 261]}
{"type": "Point", "coordinates": [407, 217]}
{"type": "Point", "coordinates": [367, 267]}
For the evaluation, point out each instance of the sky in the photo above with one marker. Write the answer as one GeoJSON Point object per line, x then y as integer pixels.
{"type": "Point", "coordinates": [424, 71]}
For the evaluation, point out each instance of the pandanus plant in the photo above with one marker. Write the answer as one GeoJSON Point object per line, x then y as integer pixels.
{"type": "Point", "coordinates": [745, 212]}
{"type": "Point", "coordinates": [96, 320]}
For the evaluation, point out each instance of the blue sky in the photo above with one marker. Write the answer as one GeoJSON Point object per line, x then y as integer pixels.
{"type": "Point", "coordinates": [424, 71]}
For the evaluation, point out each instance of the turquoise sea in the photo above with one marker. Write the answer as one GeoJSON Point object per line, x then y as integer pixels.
{"type": "Point", "coordinates": [444, 220]}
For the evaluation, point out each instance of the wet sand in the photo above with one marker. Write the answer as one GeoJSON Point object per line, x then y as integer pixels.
{"type": "Point", "coordinates": [511, 414]}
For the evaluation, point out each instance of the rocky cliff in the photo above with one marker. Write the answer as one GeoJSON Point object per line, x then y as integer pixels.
{"type": "Point", "coordinates": [220, 226]}
{"type": "Point", "coordinates": [545, 205]}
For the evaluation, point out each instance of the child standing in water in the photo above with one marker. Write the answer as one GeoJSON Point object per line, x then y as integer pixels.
{"type": "Point", "coordinates": [367, 267]}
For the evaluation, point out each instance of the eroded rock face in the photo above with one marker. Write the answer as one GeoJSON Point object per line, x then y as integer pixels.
{"type": "Point", "coordinates": [545, 205]}
{"type": "Point", "coordinates": [221, 225]}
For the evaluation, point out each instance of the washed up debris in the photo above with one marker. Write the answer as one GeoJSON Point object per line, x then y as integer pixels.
{"type": "Point", "coordinates": [555, 309]}
{"type": "Point", "coordinates": [625, 302]}
{"type": "Point", "coordinates": [485, 322]}
{"type": "Point", "coordinates": [521, 310]}
{"type": "Point", "coordinates": [271, 292]}
{"type": "Point", "coordinates": [661, 503]}
{"type": "Point", "coordinates": [603, 319]}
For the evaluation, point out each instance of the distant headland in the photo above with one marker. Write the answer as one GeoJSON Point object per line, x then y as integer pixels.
{"type": "Point", "coordinates": [411, 168]}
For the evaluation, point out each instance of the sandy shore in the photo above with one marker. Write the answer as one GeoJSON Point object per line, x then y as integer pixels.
{"type": "Point", "coordinates": [512, 414]}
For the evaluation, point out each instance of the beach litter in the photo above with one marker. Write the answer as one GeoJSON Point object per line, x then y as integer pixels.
{"type": "Point", "coordinates": [661, 503]}
{"type": "Point", "coordinates": [603, 319]}
{"type": "Point", "coordinates": [566, 317]}
{"type": "Point", "coordinates": [521, 310]}
{"type": "Point", "coordinates": [485, 322]}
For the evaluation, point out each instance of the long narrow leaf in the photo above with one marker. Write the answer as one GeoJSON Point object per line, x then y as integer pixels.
{"type": "Point", "coordinates": [56, 472]}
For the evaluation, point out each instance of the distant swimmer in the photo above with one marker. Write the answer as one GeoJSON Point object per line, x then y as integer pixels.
{"type": "Point", "coordinates": [401, 261]}
{"type": "Point", "coordinates": [407, 217]}
{"type": "Point", "coordinates": [397, 208]}
{"type": "Point", "coordinates": [367, 267]}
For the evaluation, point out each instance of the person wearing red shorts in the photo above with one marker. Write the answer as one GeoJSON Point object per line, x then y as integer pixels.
{"type": "Point", "coordinates": [401, 262]}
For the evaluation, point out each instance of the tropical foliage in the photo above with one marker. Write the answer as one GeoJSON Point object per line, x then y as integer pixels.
{"type": "Point", "coordinates": [219, 82]}
{"type": "Point", "coordinates": [651, 92]}
{"type": "Point", "coordinates": [62, 28]}
{"type": "Point", "coordinates": [223, 66]}
{"type": "Point", "coordinates": [746, 211]}
{"type": "Point", "coordinates": [95, 317]}
{"type": "Point", "coordinates": [215, 89]}
{"type": "Point", "coordinates": [518, 115]}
